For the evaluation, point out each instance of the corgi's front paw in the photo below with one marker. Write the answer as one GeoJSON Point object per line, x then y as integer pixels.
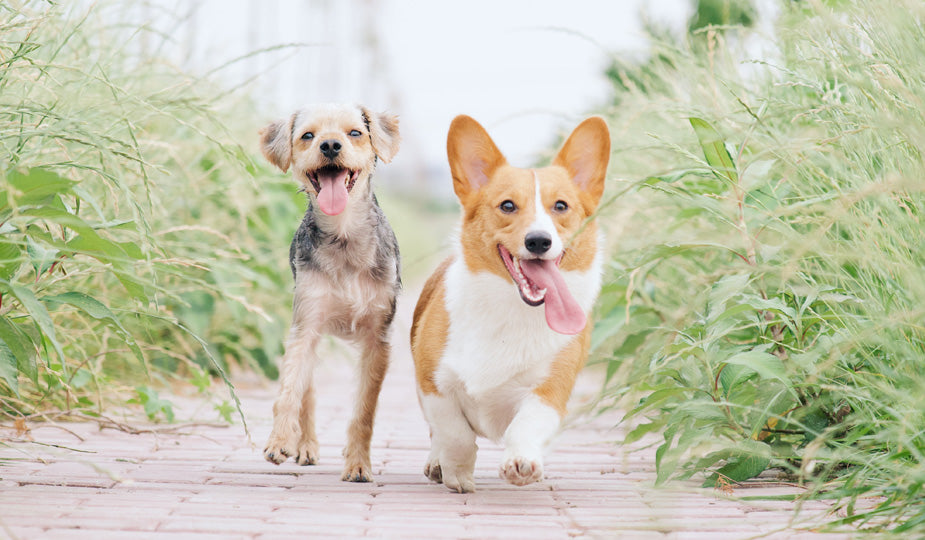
{"type": "Point", "coordinates": [278, 449]}
{"type": "Point", "coordinates": [433, 471]}
{"type": "Point", "coordinates": [521, 471]}
{"type": "Point", "coordinates": [460, 483]}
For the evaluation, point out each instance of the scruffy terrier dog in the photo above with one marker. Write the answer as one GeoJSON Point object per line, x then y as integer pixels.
{"type": "Point", "coordinates": [345, 262]}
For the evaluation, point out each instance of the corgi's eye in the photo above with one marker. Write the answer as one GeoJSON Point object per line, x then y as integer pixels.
{"type": "Point", "coordinates": [307, 136]}
{"type": "Point", "coordinates": [355, 133]}
{"type": "Point", "coordinates": [508, 207]}
{"type": "Point", "coordinates": [560, 206]}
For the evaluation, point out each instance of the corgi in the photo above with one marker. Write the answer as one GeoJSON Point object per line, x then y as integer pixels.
{"type": "Point", "coordinates": [501, 330]}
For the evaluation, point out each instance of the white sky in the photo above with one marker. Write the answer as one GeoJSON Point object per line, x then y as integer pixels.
{"type": "Point", "coordinates": [524, 69]}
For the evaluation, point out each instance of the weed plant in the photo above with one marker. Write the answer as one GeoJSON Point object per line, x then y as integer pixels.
{"type": "Point", "coordinates": [136, 246]}
{"type": "Point", "coordinates": [766, 307]}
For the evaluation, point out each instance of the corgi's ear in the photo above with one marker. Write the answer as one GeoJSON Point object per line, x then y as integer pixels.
{"type": "Point", "coordinates": [383, 133]}
{"type": "Point", "coordinates": [585, 155]}
{"type": "Point", "coordinates": [472, 154]}
{"type": "Point", "coordinates": [276, 142]}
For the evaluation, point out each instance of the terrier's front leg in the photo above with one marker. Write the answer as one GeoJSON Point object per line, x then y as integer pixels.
{"type": "Point", "coordinates": [526, 436]}
{"type": "Point", "coordinates": [307, 451]}
{"type": "Point", "coordinates": [295, 386]}
{"type": "Point", "coordinates": [375, 363]}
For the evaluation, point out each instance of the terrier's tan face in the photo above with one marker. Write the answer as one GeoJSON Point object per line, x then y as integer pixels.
{"type": "Point", "coordinates": [332, 149]}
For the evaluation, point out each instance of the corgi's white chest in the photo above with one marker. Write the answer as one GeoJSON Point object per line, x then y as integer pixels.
{"type": "Point", "coordinates": [499, 348]}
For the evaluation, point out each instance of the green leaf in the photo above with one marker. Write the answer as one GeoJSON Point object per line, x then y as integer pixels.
{"type": "Point", "coordinates": [607, 327]}
{"type": "Point", "coordinates": [80, 378]}
{"type": "Point", "coordinates": [727, 288]}
{"type": "Point", "coordinates": [153, 403]}
{"type": "Point", "coordinates": [21, 347]}
{"type": "Point", "coordinates": [200, 379]}
{"type": "Point", "coordinates": [96, 309]}
{"type": "Point", "coordinates": [815, 421]}
{"type": "Point", "coordinates": [91, 243]}
{"type": "Point", "coordinates": [765, 364]}
{"type": "Point", "coordinates": [751, 459]}
{"type": "Point", "coordinates": [658, 397]}
{"type": "Point", "coordinates": [41, 257]}
{"type": "Point", "coordinates": [10, 258]}
{"type": "Point", "coordinates": [225, 410]}
{"type": "Point", "coordinates": [641, 431]}
{"type": "Point", "coordinates": [714, 150]}
{"type": "Point", "coordinates": [731, 375]}
{"type": "Point", "coordinates": [85, 303]}
{"type": "Point", "coordinates": [134, 285]}
{"type": "Point", "coordinates": [39, 315]}
{"type": "Point", "coordinates": [36, 185]}
{"type": "Point", "coordinates": [665, 463]}
{"type": "Point", "coordinates": [9, 371]}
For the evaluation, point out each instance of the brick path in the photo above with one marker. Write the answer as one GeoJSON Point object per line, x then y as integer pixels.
{"type": "Point", "coordinates": [209, 482]}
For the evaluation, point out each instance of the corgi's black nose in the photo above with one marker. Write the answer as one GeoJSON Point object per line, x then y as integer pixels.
{"type": "Point", "coordinates": [538, 242]}
{"type": "Point", "coordinates": [330, 148]}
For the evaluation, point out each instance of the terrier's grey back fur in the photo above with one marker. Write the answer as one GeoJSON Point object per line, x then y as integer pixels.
{"type": "Point", "coordinates": [318, 250]}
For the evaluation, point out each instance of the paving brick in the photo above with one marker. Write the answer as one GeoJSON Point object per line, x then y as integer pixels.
{"type": "Point", "coordinates": [214, 524]}
{"type": "Point", "coordinates": [101, 534]}
{"type": "Point", "coordinates": [341, 532]}
{"type": "Point", "coordinates": [16, 532]}
{"type": "Point", "coordinates": [495, 531]}
{"type": "Point", "coordinates": [113, 522]}
{"type": "Point", "coordinates": [210, 482]}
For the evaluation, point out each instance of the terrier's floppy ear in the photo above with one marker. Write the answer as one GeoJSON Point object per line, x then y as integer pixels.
{"type": "Point", "coordinates": [472, 154]}
{"type": "Point", "coordinates": [276, 142]}
{"type": "Point", "coordinates": [383, 133]}
{"type": "Point", "coordinates": [585, 156]}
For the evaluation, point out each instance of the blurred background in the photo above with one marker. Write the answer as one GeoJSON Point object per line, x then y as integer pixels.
{"type": "Point", "coordinates": [527, 70]}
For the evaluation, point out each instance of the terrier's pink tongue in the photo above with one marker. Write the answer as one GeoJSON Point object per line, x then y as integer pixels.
{"type": "Point", "coordinates": [563, 314]}
{"type": "Point", "coordinates": [333, 195]}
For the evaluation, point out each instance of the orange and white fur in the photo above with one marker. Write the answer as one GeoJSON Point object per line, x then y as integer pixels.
{"type": "Point", "coordinates": [500, 331]}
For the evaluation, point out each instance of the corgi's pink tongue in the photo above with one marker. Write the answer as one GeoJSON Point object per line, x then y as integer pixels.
{"type": "Point", "coordinates": [333, 195]}
{"type": "Point", "coordinates": [563, 314]}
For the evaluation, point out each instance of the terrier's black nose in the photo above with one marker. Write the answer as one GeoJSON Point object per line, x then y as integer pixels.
{"type": "Point", "coordinates": [538, 242]}
{"type": "Point", "coordinates": [330, 148]}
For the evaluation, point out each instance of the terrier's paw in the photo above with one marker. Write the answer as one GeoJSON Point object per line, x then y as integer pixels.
{"type": "Point", "coordinates": [357, 467]}
{"type": "Point", "coordinates": [357, 472]}
{"type": "Point", "coordinates": [433, 472]}
{"type": "Point", "coordinates": [307, 453]}
{"type": "Point", "coordinates": [276, 453]}
{"type": "Point", "coordinates": [521, 471]}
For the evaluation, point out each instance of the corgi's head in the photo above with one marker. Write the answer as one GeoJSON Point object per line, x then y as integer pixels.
{"type": "Point", "coordinates": [529, 225]}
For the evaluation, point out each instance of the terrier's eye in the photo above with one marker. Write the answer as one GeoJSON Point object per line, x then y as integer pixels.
{"type": "Point", "coordinates": [508, 207]}
{"type": "Point", "coordinates": [308, 135]}
{"type": "Point", "coordinates": [355, 133]}
{"type": "Point", "coordinates": [560, 206]}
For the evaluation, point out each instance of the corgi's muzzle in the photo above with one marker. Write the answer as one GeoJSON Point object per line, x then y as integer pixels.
{"type": "Point", "coordinates": [539, 281]}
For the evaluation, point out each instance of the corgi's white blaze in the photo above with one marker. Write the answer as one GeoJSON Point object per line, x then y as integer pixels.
{"type": "Point", "coordinates": [542, 222]}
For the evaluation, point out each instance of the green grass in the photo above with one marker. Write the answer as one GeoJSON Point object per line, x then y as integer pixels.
{"type": "Point", "coordinates": [766, 307]}
{"type": "Point", "coordinates": [139, 245]}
